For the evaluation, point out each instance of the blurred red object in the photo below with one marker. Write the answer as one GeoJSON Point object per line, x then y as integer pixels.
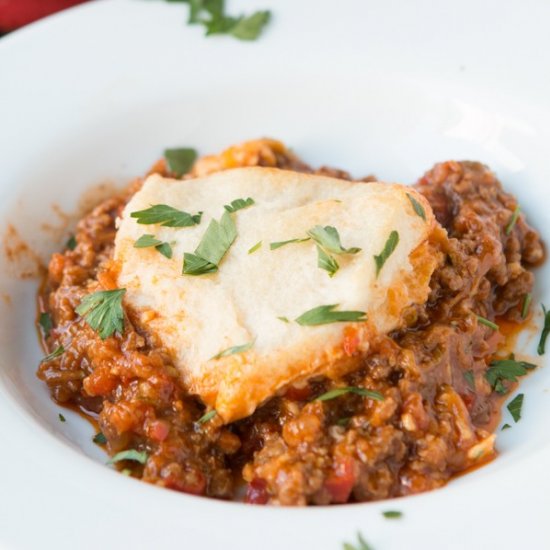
{"type": "Point", "coordinates": [16, 13]}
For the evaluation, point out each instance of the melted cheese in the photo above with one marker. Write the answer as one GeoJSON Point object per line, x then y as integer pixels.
{"type": "Point", "coordinates": [196, 317]}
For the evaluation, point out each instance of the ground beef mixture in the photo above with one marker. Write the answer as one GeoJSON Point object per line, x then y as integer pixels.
{"type": "Point", "coordinates": [439, 411]}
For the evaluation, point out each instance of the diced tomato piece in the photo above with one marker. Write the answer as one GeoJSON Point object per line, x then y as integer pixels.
{"type": "Point", "coordinates": [351, 341]}
{"type": "Point", "coordinates": [341, 480]}
{"type": "Point", "coordinates": [194, 483]}
{"type": "Point", "coordinates": [158, 430]}
{"type": "Point", "coordinates": [256, 492]}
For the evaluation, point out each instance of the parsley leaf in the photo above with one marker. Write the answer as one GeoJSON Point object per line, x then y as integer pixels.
{"type": "Point", "coordinates": [513, 220]}
{"type": "Point", "coordinates": [253, 249]}
{"type": "Point", "coordinates": [99, 438]}
{"type": "Point", "coordinates": [239, 204]}
{"type": "Point", "coordinates": [505, 427]}
{"type": "Point", "coordinates": [166, 216]}
{"type": "Point", "coordinates": [323, 315]}
{"type": "Point", "coordinates": [545, 331]}
{"type": "Point", "coordinates": [46, 324]}
{"type": "Point", "coordinates": [206, 417]}
{"type": "Point", "coordinates": [417, 207]}
{"type": "Point", "coordinates": [60, 350]}
{"type": "Point", "coordinates": [61, 418]}
{"type": "Point", "coordinates": [130, 454]}
{"type": "Point", "coordinates": [392, 514]}
{"type": "Point", "coordinates": [515, 407]}
{"type": "Point", "coordinates": [71, 243]}
{"type": "Point", "coordinates": [487, 323]}
{"type": "Point", "coordinates": [250, 28]}
{"type": "Point", "coordinates": [337, 392]}
{"type": "Point", "coordinates": [283, 319]}
{"type": "Point", "coordinates": [146, 241]}
{"type": "Point", "coordinates": [328, 241]}
{"type": "Point", "coordinates": [389, 247]}
{"type": "Point", "coordinates": [102, 310]}
{"type": "Point", "coordinates": [526, 303]}
{"type": "Point", "coordinates": [216, 241]}
{"type": "Point", "coordinates": [235, 349]}
{"type": "Point", "coordinates": [278, 244]}
{"type": "Point", "coordinates": [180, 160]}
{"type": "Point", "coordinates": [506, 369]}
{"type": "Point", "coordinates": [362, 544]}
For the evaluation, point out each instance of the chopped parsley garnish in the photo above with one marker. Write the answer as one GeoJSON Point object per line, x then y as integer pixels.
{"type": "Point", "coordinates": [469, 377]}
{"type": "Point", "coordinates": [235, 349]}
{"type": "Point", "coordinates": [284, 319]}
{"type": "Point", "coordinates": [323, 315]}
{"type": "Point", "coordinates": [102, 310]}
{"type": "Point", "coordinates": [526, 303]}
{"type": "Point", "coordinates": [165, 215]}
{"type": "Point", "coordinates": [61, 418]}
{"type": "Point", "coordinates": [513, 220]}
{"type": "Point", "coordinates": [337, 392]}
{"type": "Point", "coordinates": [545, 331]}
{"type": "Point", "coordinates": [207, 416]}
{"type": "Point", "coordinates": [216, 241]}
{"type": "Point", "coordinates": [99, 438]}
{"type": "Point", "coordinates": [46, 324]}
{"type": "Point", "coordinates": [505, 427]}
{"type": "Point", "coordinates": [328, 242]}
{"type": "Point", "coordinates": [239, 204]}
{"type": "Point", "coordinates": [515, 407]}
{"type": "Point", "coordinates": [506, 369]}
{"type": "Point", "coordinates": [392, 514]}
{"type": "Point", "coordinates": [417, 207]}
{"type": "Point", "coordinates": [257, 246]}
{"type": "Point", "coordinates": [130, 454]}
{"type": "Point", "coordinates": [389, 247]}
{"type": "Point", "coordinates": [71, 243]}
{"type": "Point", "coordinates": [487, 323]}
{"type": "Point", "coordinates": [211, 15]}
{"type": "Point", "coordinates": [278, 244]}
{"type": "Point", "coordinates": [60, 350]}
{"type": "Point", "coordinates": [180, 160]}
{"type": "Point", "coordinates": [361, 544]}
{"type": "Point", "coordinates": [147, 241]}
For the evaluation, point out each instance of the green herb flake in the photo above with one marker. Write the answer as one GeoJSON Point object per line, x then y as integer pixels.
{"type": "Point", "coordinates": [513, 220]}
{"type": "Point", "coordinates": [165, 249]}
{"type": "Point", "coordinates": [328, 238]}
{"type": "Point", "coordinates": [469, 377]}
{"type": "Point", "coordinates": [239, 204]}
{"type": "Point", "coordinates": [60, 350]}
{"type": "Point", "coordinates": [487, 323]}
{"type": "Point", "coordinates": [515, 407]}
{"type": "Point", "coordinates": [61, 418]}
{"type": "Point", "coordinates": [545, 331]}
{"type": "Point", "coordinates": [130, 454]}
{"type": "Point", "coordinates": [417, 207]}
{"type": "Point", "coordinates": [279, 244]}
{"type": "Point", "coordinates": [337, 392]}
{"type": "Point", "coordinates": [327, 262]}
{"type": "Point", "coordinates": [234, 349]}
{"type": "Point", "coordinates": [505, 427]}
{"type": "Point", "coordinates": [527, 299]}
{"type": "Point", "coordinates": [250, 28]}
{"type": "Point", "coordinates": [71, 243]}
{"type": "Point", "coordinates": [323, 315]}
{"type": "Point", "coordinates": [392, 514]}
{"type": "Point", "coordinates": [103, 311]}
{"type": "Point", "coordinates": [215, 243]}
{"type": "Point", "coordinates": [166, 216]}
{"type": "Point", "coordinates": [46, 324]}
{"type": "Point", "coordinates": [389, 247]}
{"type": "Point", "coordinates": [99, 438]}
{"type": "Point", "coordinates": [206, 417]}
{"type": "Point", "coordinates": [257, 246]}
{"type": "Point", "coordinates": [506, 369]}
{"type": "Point", "coordinates": [343, 422]}
{"type": "Point", "coordinates": [283, 319]}
{"type": "Point", "coordinates": [180, 160]}
{"type": "Point", "coordinates": [147, 241]}
{"type": "Point", "coordinates": [361, 544]}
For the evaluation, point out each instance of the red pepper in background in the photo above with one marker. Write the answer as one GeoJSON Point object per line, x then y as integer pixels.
{"type": "Point", "coordinates": [16, 13]}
